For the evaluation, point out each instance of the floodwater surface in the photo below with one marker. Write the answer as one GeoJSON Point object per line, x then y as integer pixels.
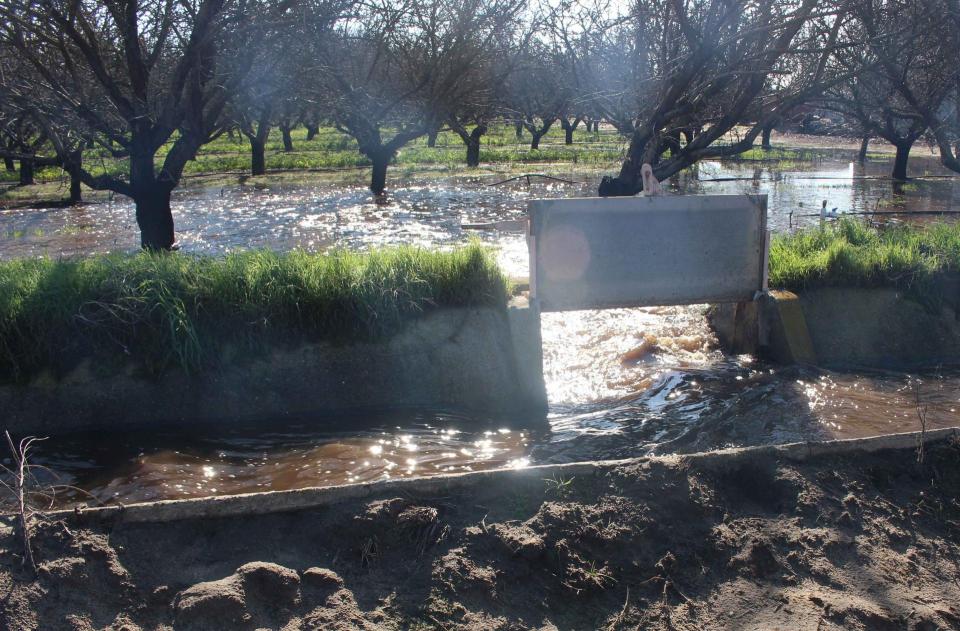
{"type": "Point", "coordinates": [621, 383]}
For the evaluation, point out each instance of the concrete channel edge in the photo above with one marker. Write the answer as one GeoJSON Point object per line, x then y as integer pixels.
{"type": "Point", "coordinates": [308, 498]}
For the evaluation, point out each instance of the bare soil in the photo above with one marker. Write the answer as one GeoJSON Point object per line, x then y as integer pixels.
{"type": "Point", "coordinates": [748, 541]}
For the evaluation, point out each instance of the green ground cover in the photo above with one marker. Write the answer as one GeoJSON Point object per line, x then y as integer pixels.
{"type": "Point", "coordinates": [178, 310]}
{"type": "Point", "coordinates": [331, 149]}
{"type": "Point", "coordinates": [851, 253]}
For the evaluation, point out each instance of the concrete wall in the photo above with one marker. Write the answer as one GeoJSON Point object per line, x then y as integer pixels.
{"type": "Point", "coordinates": [483, 362]}
{"type": "Point", "coordinates": [878, 327]}
{"type": "Point", "coordinates": [839, 327]}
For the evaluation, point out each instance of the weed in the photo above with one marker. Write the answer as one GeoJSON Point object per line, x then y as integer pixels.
{"type": "Point", "coordinates": [583, 577]}
{"type": "Point", "coordinates": [20, 476]}
{"type": "Point", "coordinates": [599, 576]}
{"type": "Point", "coordinates": [369, 552]}
{"type": "Point", "coordinates": [560, 487]}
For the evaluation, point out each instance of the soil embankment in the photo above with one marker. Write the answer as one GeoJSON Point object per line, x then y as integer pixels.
{"type": "Point", "coordinates": [748, 539]}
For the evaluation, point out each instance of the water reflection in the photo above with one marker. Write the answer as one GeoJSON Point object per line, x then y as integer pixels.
{"type": "Point", "coordinates": [145, 466]}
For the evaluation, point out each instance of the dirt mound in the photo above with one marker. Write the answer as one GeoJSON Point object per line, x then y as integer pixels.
{"type": "Point", "coordinates": [743, 541]}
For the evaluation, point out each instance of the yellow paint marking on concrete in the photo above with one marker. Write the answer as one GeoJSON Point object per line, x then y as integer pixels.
{"type": "Point", "coordinates": [793, 327]}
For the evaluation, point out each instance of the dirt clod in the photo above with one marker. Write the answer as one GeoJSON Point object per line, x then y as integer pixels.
{"type": "Point", "coordinates": [520, 540]}
{"type": "Point", "coordinates": [757, 559]}
{"type": "Point", "coordinates": [321, 577]}
{"type": "Point", "coordinates": [271, 583]}
{"type": "Point", "coordinates": [211, 604]}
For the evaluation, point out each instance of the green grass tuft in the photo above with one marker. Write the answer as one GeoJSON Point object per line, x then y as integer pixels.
{"type": "Point", "coordinates": [851, 253]}
{"type": "Point", "coordinates": [173, 310]}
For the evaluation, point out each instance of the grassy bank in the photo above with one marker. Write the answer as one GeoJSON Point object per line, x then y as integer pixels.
{"type": "Point", "coordinates": [851, 253]}
{"type": "Point", "coordinates": [167, 310]}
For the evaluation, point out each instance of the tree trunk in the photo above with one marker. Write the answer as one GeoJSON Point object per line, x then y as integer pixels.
{"type": "Point", "coordinates": [9, 165]}
{"type": "Point", "coordinates": [432, 138]}
{"type": "Point", "coordinates": [628, 182]}
{"type": "Point", "coordinates": [154, 217]}
{"type": "Point", "coordinates": [287, 139]}
{"type": "Point", "coordinates": [518, 129]}
{"type": "Point", "coordinates": [535, 142]}
{"type": "Point", "coordinates": [765, 142]}
{"type": "Point", "coordinates": [473, 145]}
{"type": "Point", "coordinates": [473, 152]}
{"type": "Point", "coordinates": [864, 145]}
{"type": "Point", "coordinates": [73, 167]}
{"type": "Point", "coordinates": [378, 179]}
{"type": "Point", "coordinates": [312, 131]}
{"type": "Point", "coordinates": [900, 162]}
{"type": "Point", "coordinates": [569, 128]}
{"type": "Point", "coordinates": [26, 171]}
{"type": "Point", "coordinates": [258, 160]}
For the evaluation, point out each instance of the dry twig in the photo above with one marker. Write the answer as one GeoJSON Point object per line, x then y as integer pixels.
{"type": "Point", "coordinates": [922, 417]}
{"type": "Point", "coordinates": [19, 474]}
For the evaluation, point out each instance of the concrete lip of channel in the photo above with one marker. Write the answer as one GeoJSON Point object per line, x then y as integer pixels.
{"type": "Point", "coordinates": [305, 499]}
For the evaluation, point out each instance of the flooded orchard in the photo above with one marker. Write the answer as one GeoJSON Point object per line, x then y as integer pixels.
{"type": "Point", "coordinates": [620, 383]}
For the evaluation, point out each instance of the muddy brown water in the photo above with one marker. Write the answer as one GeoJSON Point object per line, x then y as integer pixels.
{"type": "Point", "coordinates": [621, 383]}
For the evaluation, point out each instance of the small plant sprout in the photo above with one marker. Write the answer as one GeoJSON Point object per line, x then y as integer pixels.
{"type": "Point", "coordinates": [559, 486]}
{"type": "Point", "coordinates": [599, 576]}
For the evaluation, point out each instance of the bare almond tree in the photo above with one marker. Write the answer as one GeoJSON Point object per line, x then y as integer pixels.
{"type": "Point", "coordinates": [711, 66]}
{"type": "Point", "coordinates": [38, 132]}
{"type": "Point", "coordinates": [496, 37]}
{"type": "Point", "coordinates": [901, 76]}
{"type": "Point", "coordinates": [389, 72]}
{"type": "Point", "coordinates": [363, 84]}
{"type": "Point", "coordinates": [911, 49]}
{"type": "Point", "coordinates": [539, 94]}
{"type": "Point", "coordinates": [141, 75]}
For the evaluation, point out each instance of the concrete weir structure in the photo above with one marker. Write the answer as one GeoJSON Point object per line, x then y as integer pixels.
{"type": "Point", "coordinates": [484, 362]}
